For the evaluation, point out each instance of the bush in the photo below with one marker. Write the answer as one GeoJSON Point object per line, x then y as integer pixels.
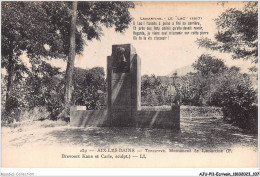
{"type": "Point", "coordinates": [154, 92]}
{"type": "Point", "coordinates": [201, 111]}
{"type": "Point", "coordinates": [238, 100]}
{"type": "Point", "coordinates": [40, 89]}
{"type": "Point", "coordinates": [89, 88]}
{"type": "Point", "coordinates": [37, 113]}
{"type": "Point", "coordinates": [10, 117]}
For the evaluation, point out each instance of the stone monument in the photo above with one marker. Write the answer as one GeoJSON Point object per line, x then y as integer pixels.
{"type": "Point", "coordinates": [124, 98]}
{"type": "Point", "coordinates": [124, 85]}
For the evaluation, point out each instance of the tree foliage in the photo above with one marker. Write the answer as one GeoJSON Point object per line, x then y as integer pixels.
{"type": "Point", "coordinates": [42, 87]}
{"type": "Point", "coordinates": [26, 28]}
{"type": "Point", "coordinates": [207, 65]}
{"type": "Point", "coordinates": [86, 20]}
{"type": "Point", "coordinates": [42, 30]}
{"type": "Point", "coordinates": [89, 88]}
{"type": "Point", "coordinates": [232, 91]}
{"type": "Point", "coordinates": [209, 68]}
{"type": "Point", "coordinates": [153, 91]}
{"type": "Point", "coordinates": [191, 88]}
{"type": "Point", "coordinates": [238, 99]}
{"type": "Point", "coordinates": [237, 33]}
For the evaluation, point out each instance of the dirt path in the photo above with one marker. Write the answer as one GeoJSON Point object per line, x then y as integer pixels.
{"type": "Point", "coordinates": [195, 133]}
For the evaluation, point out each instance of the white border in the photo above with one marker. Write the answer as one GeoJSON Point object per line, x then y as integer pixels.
{"type": "Point", "coordinates": [127, 171]}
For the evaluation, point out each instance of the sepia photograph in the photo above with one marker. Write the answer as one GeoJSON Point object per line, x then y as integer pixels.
{"type": "Point", "coordinates": [129, 84]}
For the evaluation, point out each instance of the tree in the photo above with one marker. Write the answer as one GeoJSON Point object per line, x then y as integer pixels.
{"type": "Point", "coordinates": [189, 88]}
{"type": "Point", "coordinates": [25, 28]}
{"type": "Point", "coordinates": [86, 20]}
{"type": "Point", "coordinates": [237, 33]}
{"type": "Point", "coordinates": [207, 64]}
{"type": "Point", "coordinates": [209, 67]}
{"type": "Point", "coordinates": [43, 29]}
{"type": "Point", "coordinates": [149, 84]}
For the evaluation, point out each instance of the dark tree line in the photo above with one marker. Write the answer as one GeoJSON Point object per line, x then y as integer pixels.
{"type": "Point", "coordinates": [212, 84]}
{"type": "Point", "coordinates": [44, 88]}
{"type": "Point", "coordinates": [237, 34]}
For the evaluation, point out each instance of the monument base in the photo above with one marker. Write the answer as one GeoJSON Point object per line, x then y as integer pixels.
{"type": "Point", "coordinates": [88, 118]}
{"type": "Point", "coordinates": [159, 119]}
{"type": "Point", "coordinates": [143, 119]}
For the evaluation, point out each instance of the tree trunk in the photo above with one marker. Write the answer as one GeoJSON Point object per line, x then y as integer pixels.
{"type": "Point", "coordinates": [9, 87]}
{"type": "Point", "coordinates": [210, 90]}
{"type": "Point", "coordinates": [70, 63]}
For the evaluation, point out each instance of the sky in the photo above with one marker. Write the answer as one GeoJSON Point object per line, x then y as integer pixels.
{"type": "Point", "coordinates": [161, 57]}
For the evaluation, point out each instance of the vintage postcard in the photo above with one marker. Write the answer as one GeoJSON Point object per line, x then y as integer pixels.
{"type": "Point", "coordinates": [129, 84]}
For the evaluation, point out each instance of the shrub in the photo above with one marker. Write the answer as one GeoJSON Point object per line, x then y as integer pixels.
{"type": "Point", "coordinates": [36, 113]}
{"type": "Point", "coordinates": [238, 99]}
{"type": "Point", "coordinates": [89, 88]}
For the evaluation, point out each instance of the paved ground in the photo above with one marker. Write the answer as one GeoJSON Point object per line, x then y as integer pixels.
{"type": "Point", "coordinates": [195, 132]}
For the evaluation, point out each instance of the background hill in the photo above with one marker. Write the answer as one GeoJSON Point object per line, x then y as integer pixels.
{"type": "Point", "coordinates": [182, 71]}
